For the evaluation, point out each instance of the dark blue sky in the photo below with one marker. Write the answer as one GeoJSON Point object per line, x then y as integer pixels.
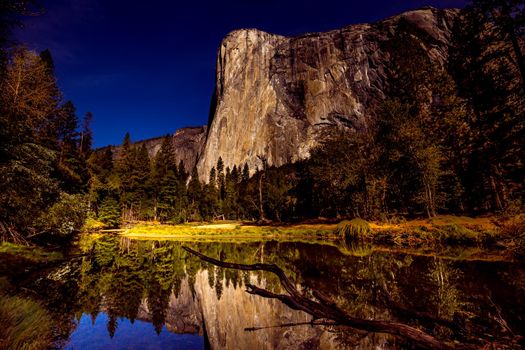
{"type": "Point", "coordinates": [148, 67]}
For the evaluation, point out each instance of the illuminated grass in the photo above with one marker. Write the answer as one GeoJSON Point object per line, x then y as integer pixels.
{"type": "Point", "coordinates": [32, 253]}
{"type": "Point", "coordinates": [354, 230]}
{"type": "Point", "coordinates": [230, 230]}
{"type": "Point", "coordinates": [93, 225]}
{"type": "Point", "coordinates": [442, 230]}
{"type": "Point", "coordinates": [24, 324]}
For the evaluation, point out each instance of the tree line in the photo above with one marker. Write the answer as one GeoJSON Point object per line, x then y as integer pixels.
{"type": "Point", "coordinates": [43, 147]}
{"type": "Point", "coordinates": [134, 186]}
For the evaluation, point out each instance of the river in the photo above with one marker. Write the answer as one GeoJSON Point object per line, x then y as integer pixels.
{"type": "Point", "coordinates": [127, 294]}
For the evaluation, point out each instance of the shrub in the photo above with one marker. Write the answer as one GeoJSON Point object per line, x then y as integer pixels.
{"type": "Point", "coordinates": [354, 229]}
{"type": "Point", "coordinates": [65, 217]}
{"type": "Point", "coordinates": [458, 234]}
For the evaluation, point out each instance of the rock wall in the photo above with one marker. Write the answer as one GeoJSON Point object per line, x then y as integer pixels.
{"type": "Point", "coordinates": [276, 95]}
{"type": "Point", "coordinates": [188, 143]}
{"type": "Point", "coordinates": [225, 318]}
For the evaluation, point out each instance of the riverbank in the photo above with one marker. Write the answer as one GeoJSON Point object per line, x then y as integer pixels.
{"type": "Point", "coordinates": [502, 233]}
{"type": "Point", "coordinates": [33, 254]}
{"type": "Point", "coordinates": [230, 230]}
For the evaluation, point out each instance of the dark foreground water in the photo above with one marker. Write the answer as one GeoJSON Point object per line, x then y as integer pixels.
{"type": "Point", "coordinates": [154, 295]}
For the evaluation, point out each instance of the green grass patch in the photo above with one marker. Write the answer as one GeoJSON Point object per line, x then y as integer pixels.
{"type": "Point", "coordinates": [24, 324]}
{"type": "Point", "coordinates": [32, 253]}
{"type": "Point", "coordinates": [454, 233]}
{"type": "Point", "coordinates": [354, 229]}
{"type": "Point", "coordinates": [227, 230]}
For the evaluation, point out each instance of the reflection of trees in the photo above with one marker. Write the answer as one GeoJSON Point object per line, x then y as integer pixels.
{"type": "Point", "coordinates": [112, 324]}
{"type": "Point", "coordinates": [158, 301]}
{"type": "Point", "coordinates": [120, 274]}
{"type": "Point", "coordinates": [446, 297]}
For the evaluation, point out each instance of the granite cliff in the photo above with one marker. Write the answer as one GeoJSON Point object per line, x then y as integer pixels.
{"type": "Point", "coordinates": [224, 318]}
{"type": "Point", "coordinates": [188, 144]}
{"type": "Point", "coordinates": [275, 96]}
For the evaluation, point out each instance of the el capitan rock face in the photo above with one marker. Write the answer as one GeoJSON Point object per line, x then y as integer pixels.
{"type": "Point", "coordinates": [276, 95]}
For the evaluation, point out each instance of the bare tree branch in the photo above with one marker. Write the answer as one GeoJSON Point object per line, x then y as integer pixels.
{"type": "Point", "coordinates": [326, 309]}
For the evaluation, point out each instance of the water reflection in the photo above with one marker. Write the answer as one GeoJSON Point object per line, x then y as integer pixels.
{"type": "Point", "coordinates": [92, 334]}
{"type": "Point", "coordinates": [155, 293]}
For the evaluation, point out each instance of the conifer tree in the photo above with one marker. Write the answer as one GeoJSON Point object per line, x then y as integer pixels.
{"type": "Point", "coordinates": [86, 135]}
{"type": "Point", "coordinates": [195, 197]}
{"type": "Point", "coordinates": [220, 180]}
{"type": "Point", "coordinates": [71, 163]}
{"type": "Point", "coordinates": [211, 195]}
{"type": "Point", "coordinates": [166, 184]}
{"type": "Point", "coordinates": [109, 212]}
{"type": "Point", "coordinates": [134, 173]}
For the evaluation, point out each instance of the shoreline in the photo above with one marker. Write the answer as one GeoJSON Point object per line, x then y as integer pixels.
{"type": "Point", "coordinates": [437, 234]}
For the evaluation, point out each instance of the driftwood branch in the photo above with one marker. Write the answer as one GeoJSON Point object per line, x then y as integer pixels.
{"type": "Point", "coordinates": [286, 325]}
{"type": "Point", "coordinates": [324, 308]}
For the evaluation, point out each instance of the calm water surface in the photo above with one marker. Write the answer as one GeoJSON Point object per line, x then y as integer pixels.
{"type": "Point", "coordinates": [128, 294]}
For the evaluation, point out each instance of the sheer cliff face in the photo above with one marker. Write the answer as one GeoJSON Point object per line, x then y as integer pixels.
{"type": "Point", "coordinates": [276, 95]}
{"type": "Point", "coordinates": [225, 318]}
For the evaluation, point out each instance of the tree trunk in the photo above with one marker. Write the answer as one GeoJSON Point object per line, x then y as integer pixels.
{"type": "Point", "coordinates": [495, 193]}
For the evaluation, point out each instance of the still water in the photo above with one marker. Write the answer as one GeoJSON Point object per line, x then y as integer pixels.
{"type": "Point", "coordinates": [125, 294]}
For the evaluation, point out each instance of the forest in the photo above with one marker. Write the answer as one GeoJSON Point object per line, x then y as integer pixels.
{"type": "Point", "coordinates": [446, 139]}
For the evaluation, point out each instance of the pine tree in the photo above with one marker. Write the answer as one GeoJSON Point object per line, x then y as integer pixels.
{"type": "Point", "coordinates": [220, 179]}
{"type": "Point", "coordinates": [109, 212]}
{"type": "Point", "coordinates": [134, 172]}
{"type": "Point", "coordinates": [167, 183]}
{"type": "Point", "coordinates": [168, 196]}
{"type": "Point", "coordinates": [142, 176]}
{"type": "Point", "coordinates": [124, 168]}
{"type": "Point", "coordinates": [47, 59]}
{"type": "Point", "coordinates": [245, 173]}
{"type": "Point", "coordinates": [243, 191]}
{"type": "Point", "coordinates": [71, 163]}
{"type": "Point", "coordinates": [86, 135]}
{"type": "Point", "coordinates": [489, 74]}
{"type": "Point", "coordinates": [211, 203]}
{"type": "Point", "coordinates": [195, 197]}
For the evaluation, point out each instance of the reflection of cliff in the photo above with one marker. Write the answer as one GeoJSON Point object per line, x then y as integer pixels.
{"type": "Point", "coordinates": [226, 318]}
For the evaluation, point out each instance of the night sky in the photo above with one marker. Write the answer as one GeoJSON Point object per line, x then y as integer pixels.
{"type": "Point", "coordinates": [148, 67]}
